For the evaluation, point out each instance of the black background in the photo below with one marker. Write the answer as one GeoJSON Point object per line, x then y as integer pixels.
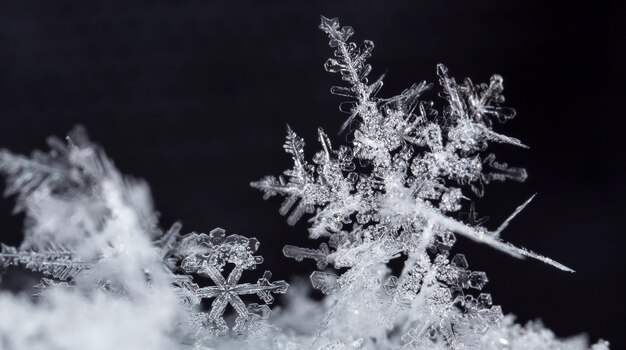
{"type": "Point", "coordinates": [194, 98]}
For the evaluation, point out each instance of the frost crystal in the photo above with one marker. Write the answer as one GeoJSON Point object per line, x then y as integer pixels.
{"type": "Point", "coordinates": [56, 262]}
{"type": "Point", "coordinates": [112, 279]}
{"type": "Point", "coordinates": [207, 255]}
{"type": "Point", "coordinates": [404, 171]}
{"type": "Point", "coordinates": [89, 229]}
{"type": "Point", "coordinates": [395, 193]}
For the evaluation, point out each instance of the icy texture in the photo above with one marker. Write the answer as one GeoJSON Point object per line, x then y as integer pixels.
{"type": "Point", "coordinates": [93, 235]}
{"type": "Point", "coordinates": [207, 255]}
{"type": "Point", "coordinates": [112, 279]}
{"type": "Point", "coordinates": [71, 192]}
{"type": "Point", "coordinates": [407, 163]}
{"type": "Point", "coordinates": [56, 262]}
{"type": "Point", "coordinates": [395, 193]}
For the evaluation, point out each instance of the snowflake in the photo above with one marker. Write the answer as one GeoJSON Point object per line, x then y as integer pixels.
{"type": "Point", "coordinates": [399, 192]}
{"type": "Point", "coordinates": [69, 240]}
{"type": "Point", "coordinates": [414, 160]}
{"type": "Point", "coordinates": [67, 193]}
{"type": "Point", "coordinates": [395, 192]}
{"type": "Point", "coordinates": [62, 266]}
{"type": "Point", "coordinates": [207, 256]}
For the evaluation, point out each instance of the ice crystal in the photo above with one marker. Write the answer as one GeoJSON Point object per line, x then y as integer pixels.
{"type": "Point", "coordinates": [71, 187]}
{"type": "Point", "coordinates": [55, 262]}
{"type": "Point", "coordinates": [418, 161]}
{"type": "Point", "coordinates": [207, 256]}
{"type": "Point", "coordinates": [396, 192]}
{"type": "Point", "coordinates": [90, 229]}
{"type": "Point", "coordinates": [112, 279]}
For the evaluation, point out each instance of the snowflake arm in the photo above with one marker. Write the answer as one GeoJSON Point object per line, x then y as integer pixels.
{"type": "Point", "coordinates": [417, 208]}
{"type": "Point", "coordinates": [72, 191]}
{"type": "Point", "coordinates": [350, 62]}
{"type": "Point", "coordinates": [319, 255]}
{"type": "Point", "coordinates": [54, 261]}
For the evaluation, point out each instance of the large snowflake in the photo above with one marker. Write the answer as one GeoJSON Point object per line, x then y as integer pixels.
{"type": "Point", "coordinates": [397, 192]}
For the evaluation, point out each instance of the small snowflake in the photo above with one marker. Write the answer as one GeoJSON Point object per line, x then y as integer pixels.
{"type": "Point", "coordinates": [207, 256]}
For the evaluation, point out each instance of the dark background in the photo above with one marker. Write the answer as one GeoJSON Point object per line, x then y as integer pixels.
{"type": "Point", "coordinates": [194, 98]}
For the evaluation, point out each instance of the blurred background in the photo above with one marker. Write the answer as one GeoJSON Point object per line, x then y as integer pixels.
{"type": "Point", "coordinates": [194, 97]}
